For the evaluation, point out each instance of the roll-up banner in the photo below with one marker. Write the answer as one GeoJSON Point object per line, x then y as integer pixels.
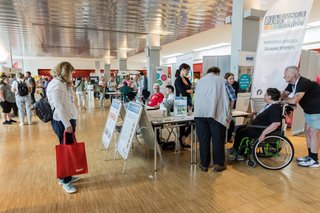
{"type": "Point", "coordinates": [281, 36]}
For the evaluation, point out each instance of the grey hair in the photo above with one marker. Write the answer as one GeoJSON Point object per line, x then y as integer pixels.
{"type": "Point", "coordinates": [293, 70]}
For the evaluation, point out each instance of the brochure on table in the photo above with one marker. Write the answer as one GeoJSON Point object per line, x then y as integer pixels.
{"type": "Point", "coordinates": [180, 106]}
{"type": "Point", "coordinates": [128, 130]}
{"type": "Point", "coordinates": [111, 122]}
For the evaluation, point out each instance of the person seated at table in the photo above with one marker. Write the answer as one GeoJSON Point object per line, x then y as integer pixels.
{"type": "Point", "coordinates": [168, 101]}
{"type": "Point", "coordinates": [269, 117]}
{"type": "Point", "coordinates": [157, 97]}
{"type": "Point", "coordinates": [125, 90]}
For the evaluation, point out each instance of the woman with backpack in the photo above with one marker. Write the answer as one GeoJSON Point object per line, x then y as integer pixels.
{"type": "Point", "coordinates": [22, 90]}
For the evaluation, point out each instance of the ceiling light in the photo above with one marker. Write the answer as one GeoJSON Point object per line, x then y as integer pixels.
{"type": "Point", "coordinates": [160, 32]}
{"type": "Point", "coordinates": [311, 46]}
{"type": "Point", "coordinates": [314, 24]}
{"type": "Point", "coordinates": [126, 49]}
{"type": "Point", "coordinates": [212, 47]}
{"type": "Point", "coordinates": [173, 55]}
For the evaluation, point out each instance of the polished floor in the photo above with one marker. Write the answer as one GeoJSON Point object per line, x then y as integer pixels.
{"type": "Point", "coordinates": [28, 183]}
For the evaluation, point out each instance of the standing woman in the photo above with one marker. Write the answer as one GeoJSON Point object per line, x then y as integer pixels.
{"type": "Point", "coordinates": [103, 86]}
{"type": "Point", "coordinates": [184, 88]}
{"type": "Point", "coordinates": [60, 97]}
{"type": "Point", "coordinates": [81, 93]}
{"type": "Point", "coordinates": [7, 99]}
{"type": "Point", "coordinates": [183, 85]}
{"type": "Point", "coordinates": [235, 85]}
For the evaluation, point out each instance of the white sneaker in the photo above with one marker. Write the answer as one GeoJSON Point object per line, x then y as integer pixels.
{"type": "Point", "coordinates": [69, 188]}
{"type": "Point", "coordinates": [309, 162]}
{"type": "Point", "coordinates": [21, 124]}
{"type": "Point", "coordinates": [233, 157]}
{"type": "Point", "coordinates": [74, 179]}
{"type": "Point", "coordinates": [302, 159]}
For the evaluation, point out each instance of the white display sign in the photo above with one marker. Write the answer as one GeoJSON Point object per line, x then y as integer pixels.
{"type": "Point", "coordinates": [129, 129]}
{"type": "Point", "coordinates": [281, 36]}
{"type": "Point", "coordinates": [162, 78]}
{"type": "Point", "coordinates": [180, 106]}
{"type": "Point", "coordinates": [111, 122]}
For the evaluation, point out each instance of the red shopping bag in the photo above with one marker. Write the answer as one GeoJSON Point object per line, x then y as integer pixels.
{"type": "Point", "coordinates": [71, 158]}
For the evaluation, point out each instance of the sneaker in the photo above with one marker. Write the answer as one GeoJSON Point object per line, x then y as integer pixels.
{"type": "Point", "coordinates": [6, 123]}
{"type": "Point", "coordinates": [69, 188]}
{"type": "Point", "coordinates": [74, 179]}
{"type": "Point", "coordinates": [13, 121]}
{"type": "Point", "coordinates": [231, 150]}
{"type": "Point", "coordinates": [234, 156]}
{"type": "Point", "coordinates": [302, 159]}
{"type": "Point", "coordinates": [21, 124]}
{"type": "Point", "coordinates": [309, 163]}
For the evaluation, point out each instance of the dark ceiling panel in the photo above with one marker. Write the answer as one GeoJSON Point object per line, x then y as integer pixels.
{"type": "Point", "coordinates": [93, 28]}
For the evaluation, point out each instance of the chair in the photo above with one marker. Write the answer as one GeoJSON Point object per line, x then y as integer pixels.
{"type": "Point", "coordinates": [274, 152]}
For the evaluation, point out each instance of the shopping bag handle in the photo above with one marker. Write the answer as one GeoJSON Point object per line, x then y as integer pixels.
{"type": "Point", "coordinates": [65, 137]}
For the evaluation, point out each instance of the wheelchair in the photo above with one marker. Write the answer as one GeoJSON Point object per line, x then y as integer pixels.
{"type": "Point", "coordinates": [275, 152]}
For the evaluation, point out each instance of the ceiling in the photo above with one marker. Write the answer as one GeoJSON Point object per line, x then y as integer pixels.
{"type": "Point", "coordinates": [99, 28]}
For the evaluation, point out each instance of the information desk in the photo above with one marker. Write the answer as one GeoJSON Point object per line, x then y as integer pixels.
{"type": "Point", "coordinates": [115, 95]}
{"type": "Point", "coordinates": [159, 122]}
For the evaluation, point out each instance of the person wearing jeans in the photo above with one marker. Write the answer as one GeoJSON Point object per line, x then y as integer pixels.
{"type": "Point", "coordinates": [23, 102]}
{"type": "Point", "coordinates": [60, 97]}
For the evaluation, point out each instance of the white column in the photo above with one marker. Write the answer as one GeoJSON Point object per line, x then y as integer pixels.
{"type": "Point", "coordinates": [153, 58]}
{"type": "Point", "coordinates": [122, 64]}
{"type": "Point", "coordinates": [245, 29]}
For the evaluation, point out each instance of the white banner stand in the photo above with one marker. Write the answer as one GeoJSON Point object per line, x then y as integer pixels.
{"type": "Point", "coordinates": [109, 128]}
{"type": "Point", "coordinates": [128, 130]}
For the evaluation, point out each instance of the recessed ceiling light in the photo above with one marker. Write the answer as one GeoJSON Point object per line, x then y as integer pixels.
{"type": "Point", "coordinates": [212, 47]}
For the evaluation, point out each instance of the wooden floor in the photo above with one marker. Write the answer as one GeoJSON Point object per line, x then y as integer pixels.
{"type": "Point", "coordinates": [28, 183]}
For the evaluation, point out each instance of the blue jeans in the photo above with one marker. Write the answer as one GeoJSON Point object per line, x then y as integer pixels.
{"type": "Point", "coordinates": [59, 129]}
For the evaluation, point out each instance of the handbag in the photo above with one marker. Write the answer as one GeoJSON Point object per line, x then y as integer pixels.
{"type": "Point", "coordinates": [71, 159]}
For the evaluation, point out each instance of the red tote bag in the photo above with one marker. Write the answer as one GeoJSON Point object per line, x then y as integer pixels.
{"type": "Point", "coordinates": [71, 158]}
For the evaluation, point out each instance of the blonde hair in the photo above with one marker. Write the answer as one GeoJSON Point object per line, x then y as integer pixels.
{"type": "Point", "coordinates": [62, 70]}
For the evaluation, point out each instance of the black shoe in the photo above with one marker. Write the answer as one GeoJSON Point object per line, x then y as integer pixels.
{"type": "Point", "coordinates": [204, 169]}
{"type": "Point", "coordinates": [184, 145]}
{"type": "Point", "coordinates": [219, 168]}
{"type": "Point", "coordinates": [13, 121]}
{"type": "Point", "coordinates": [6, 123]}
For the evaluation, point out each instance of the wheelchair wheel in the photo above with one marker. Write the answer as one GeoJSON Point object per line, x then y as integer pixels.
{"type": "Point", "coordinates": [251, 163]}
{"type": "Point", "coordinates": [274, 152]}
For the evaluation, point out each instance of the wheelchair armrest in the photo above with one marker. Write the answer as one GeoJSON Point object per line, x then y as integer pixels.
{"type": "Point", "coordinates": [256, 126]}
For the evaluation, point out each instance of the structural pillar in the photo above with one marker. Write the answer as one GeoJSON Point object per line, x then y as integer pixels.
{"type": "Point", "coordinates": [153, 61]}
{"type": "Point", "coordinates": [122, 64]}
{"type": "Point", "coordinates": [245, 29]}
{"type": "Point", "coordinates": [107, 72]}
{"type": "Point", "coordinates": [153, 58]}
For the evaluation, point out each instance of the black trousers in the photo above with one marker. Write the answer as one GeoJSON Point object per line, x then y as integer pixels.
{"type": "Point", "coordinates": [244, 131]}
{"type": "Point", "coordinates": [209, 130]}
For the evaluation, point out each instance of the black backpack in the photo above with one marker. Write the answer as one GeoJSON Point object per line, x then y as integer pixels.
{"type": "Point", "coordinates": [22, 88]}
{"type": "Point", "coordinates": [43, 110]}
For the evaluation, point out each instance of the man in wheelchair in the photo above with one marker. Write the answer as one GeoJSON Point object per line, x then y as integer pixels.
{"type": "Point", "coordinates": [266, 121]}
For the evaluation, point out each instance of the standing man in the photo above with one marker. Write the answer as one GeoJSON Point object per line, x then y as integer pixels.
{"type": "Point", "coordinates": [305, 92]}
{"type": "Point", "coordinates": [32, 83]}
{"type": "Point", "coordinates": [212, 112]}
